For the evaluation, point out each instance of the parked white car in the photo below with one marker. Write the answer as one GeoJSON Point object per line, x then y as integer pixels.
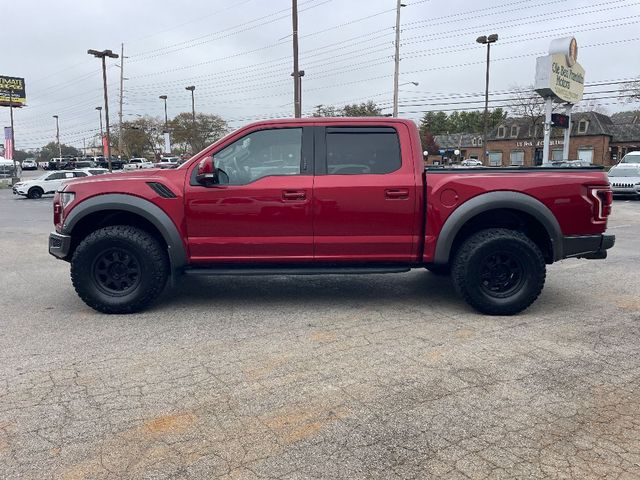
{"type": "Point", "coordinates": [631, 157]}
{"type": "Point", "coordinates": [47, 183]}
{"type": "Point", "coordinates": [625, 179]}
{"type": "Point", "coordinates": [138, 163]}
{"type": "Point", "coordinates": [471, 162]}
{"type": "Point", "coordinates": [168, 162]}
{"type": "Point", "coordinates": [29, 164]}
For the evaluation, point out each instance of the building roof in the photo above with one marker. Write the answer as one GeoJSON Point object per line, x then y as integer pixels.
{"type": "Point", "coordinates": [456, 140]}
{"type": "Point", "coordinates": [625, 133]}
{"type": "Point", "coordinates": [631, 116]}
{"type": "Point", "coordinates": [597, 124]}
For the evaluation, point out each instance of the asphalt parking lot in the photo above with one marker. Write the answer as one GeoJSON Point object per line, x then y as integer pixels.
{"type": "Point", "coordinates": [318, 377]}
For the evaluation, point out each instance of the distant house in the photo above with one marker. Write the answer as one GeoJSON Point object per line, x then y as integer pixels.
{"type": "Point", "coordinates": [595, 137]}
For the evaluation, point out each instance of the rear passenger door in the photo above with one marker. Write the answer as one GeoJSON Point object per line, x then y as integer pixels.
{"type": "Point", "coordinates": [364, 195]}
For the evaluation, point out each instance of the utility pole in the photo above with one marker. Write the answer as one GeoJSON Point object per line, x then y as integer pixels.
{"type": "Point", "coordinates": [396, 71]}
{"type": "Point", "coordinates": [486, 40]}
{"type": "Point", "coordinates": [297, 104]}
{"type": "Point", "coordinates": [102, 55]}
{"type": "Point", "coordinates": [120, 136]}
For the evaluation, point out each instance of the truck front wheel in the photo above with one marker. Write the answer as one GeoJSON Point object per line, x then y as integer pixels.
{"type": "Point", "coordinates": [119, 269]}
{"type": "Point", "coordinates": [499, 271]}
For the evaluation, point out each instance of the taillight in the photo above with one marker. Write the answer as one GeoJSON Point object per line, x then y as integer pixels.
{"type": "Point", "coordinates": [603, 199]}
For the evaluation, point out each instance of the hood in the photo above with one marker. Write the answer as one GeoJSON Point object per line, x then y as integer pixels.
{"type": "Point", "coordinates": [136, 175]}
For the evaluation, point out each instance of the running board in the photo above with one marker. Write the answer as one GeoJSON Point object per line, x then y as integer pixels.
{"type": "Point", "coordinates": [295, 271]}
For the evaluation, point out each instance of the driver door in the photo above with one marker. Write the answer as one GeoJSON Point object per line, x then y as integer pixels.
{"type": "Point", "coordinates": [260, 211]}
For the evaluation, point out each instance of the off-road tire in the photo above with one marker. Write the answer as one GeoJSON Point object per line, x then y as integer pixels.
{"type": "Point", "coordinates": [142, 252]}
{"type": "Point", "coordinates": [35, 193]}
{"type": "Point", "coordinates": [478, 276]}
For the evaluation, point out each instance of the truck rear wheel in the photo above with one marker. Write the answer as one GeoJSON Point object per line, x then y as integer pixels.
{"type": "Point", "coordinates": [499, 271]}
{"type": "Point", "coordinates": [119, 269]}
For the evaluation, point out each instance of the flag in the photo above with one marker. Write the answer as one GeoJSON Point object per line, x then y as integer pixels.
{"type": "Point", "coordinates": [8, 143]}
{"type": "Point", "coordinates": [105, 146]}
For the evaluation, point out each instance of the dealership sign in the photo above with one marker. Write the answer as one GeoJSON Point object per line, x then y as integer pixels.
{"type": "Point", "coordinates": [12, 90]}
{"type": "Point", "coordinates": [559, 75]}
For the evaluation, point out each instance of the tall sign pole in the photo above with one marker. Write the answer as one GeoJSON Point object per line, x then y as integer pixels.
{"type": "Point", "coordinates": [567, 133]}
{"type": "Point", "coordinates": [13, 138]}
{"type": "Point", "coordinates": [548, 109]}
{"type": "Point", "coordinates": [559, 78]}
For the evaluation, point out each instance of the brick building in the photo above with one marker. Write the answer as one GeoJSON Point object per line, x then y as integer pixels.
{"type": "Point", "coordinates": [595, 137]}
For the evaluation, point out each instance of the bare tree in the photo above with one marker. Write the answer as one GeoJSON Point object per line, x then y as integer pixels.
{"type": "Point", "coordinates": [529, 106]}
{"type": "Point", "coordinates": [630, 91]}
{"type": "Point", "coordinates": [590, 106]}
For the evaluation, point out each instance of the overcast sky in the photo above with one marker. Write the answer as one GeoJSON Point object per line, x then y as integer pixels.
{"type": "Point", "coordinates": [238, 55]}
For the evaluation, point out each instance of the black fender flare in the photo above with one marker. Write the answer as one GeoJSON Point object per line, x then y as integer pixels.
{"type": "Point", "coordinates": [146, 209]}
{"type": "Point", "coordinates": [492, 201]}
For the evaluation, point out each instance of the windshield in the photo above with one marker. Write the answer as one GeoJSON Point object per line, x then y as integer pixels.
{"type": "Point", "coordinates": [633, 157]}
{"type": "Point", "coordinates": [624, 172]}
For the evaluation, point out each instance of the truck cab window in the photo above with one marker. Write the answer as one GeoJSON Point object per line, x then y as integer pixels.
{"type": "Point", "coordinates": [358, 151]}
{"type": "Point", "coordinates": [261, 154]}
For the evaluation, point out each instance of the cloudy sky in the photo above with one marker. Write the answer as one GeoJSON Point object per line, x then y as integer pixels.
{"type": "Point", "coordinates": [238, 55]}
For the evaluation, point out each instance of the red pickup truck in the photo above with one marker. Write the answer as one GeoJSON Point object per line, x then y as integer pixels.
{"type": "Point", "coordinates": [327, 196]}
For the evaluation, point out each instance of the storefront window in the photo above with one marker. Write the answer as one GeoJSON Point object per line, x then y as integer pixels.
{"type": "Point", "coordinates": [495, 159]}
{"type": "Point", "coordinates": [517, 158]}
{"type": "Point", "coordinates": [557, 154]}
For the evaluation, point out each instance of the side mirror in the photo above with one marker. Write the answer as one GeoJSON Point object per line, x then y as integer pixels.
{"type": "Point", "coordinates": [207, 173]}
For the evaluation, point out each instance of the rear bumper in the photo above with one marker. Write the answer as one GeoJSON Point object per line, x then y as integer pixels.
{"type": "Point", "coordinates": [59, 245]}
{"type": "Point", "coordinates": [592, 247]}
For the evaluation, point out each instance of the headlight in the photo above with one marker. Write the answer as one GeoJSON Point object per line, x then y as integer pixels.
{"type": "Point", "coordinates": [66, 198]}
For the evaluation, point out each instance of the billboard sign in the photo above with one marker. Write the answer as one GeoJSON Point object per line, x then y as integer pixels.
{"type": "Point", "coordinates": [559, 75]}
{"type": "Point", "coordinates": [12, 88]}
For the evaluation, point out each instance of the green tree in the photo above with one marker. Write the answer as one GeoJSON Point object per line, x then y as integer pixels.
{"type": "Point", "coordinates": [207, 129]}
{"type": "Point", "coordinates": [50, 150]}
{"type": "Point", "coordinates": [142, 137]}
{"type": "Point", "coordinates": [21, 155]}
{"type": "Point", "coordinates": [434, 122]}
{"type": "Point", "coordinates": [368, 109]}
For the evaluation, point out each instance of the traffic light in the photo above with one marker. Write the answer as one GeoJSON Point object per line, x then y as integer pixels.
{"type": "Point", "coordinates": [559, 120]}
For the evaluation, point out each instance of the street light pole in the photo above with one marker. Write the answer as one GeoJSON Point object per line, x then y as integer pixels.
{"type": "Point", "coordinates": [58, 137]}
{"type": "Point", "coordinates": [191, 88]}
{"type": "Point", "coordinates": [488, 40]}
{"type": "Point", "coordinates": [101, 133]}
{"type": "Point", "coordinates": [396, 71]}
{"type": "Point", "coordinates": [167, 135]}
{"type": "Point", "coordinates": [166, 121]}
{"type": "Point", "coordinates": [102, 55]}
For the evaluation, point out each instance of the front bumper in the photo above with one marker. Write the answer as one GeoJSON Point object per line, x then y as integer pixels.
{"type": "Point", "coordinates": [59, 245]}
{"type": "Point", "coordinates": [593, 247]}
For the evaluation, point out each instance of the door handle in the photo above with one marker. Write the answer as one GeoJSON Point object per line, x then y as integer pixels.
{"type": "Point", "coordinates": [397, 193]}
{"type": "Point", "coordinates": [294, 195]}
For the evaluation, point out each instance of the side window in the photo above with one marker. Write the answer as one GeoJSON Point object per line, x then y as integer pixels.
{"type": "Point", "coordinates": [56, 176]}
{"type": "Point", "coordinates": [261, 154]}
{"type": "Point", "coordinates": [358, 151]}
{"type": "Point", "coordinates": [79, 174]}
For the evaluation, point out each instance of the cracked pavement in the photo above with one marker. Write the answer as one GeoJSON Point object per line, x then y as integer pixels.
{"type": "Point", "coordinates": [379, 376]}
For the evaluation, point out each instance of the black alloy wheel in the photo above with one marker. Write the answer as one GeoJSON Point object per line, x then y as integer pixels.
{"type": "Point", "coordinates": [116, 271]}
{"type": "Point", "coordinates": [501, 274]}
